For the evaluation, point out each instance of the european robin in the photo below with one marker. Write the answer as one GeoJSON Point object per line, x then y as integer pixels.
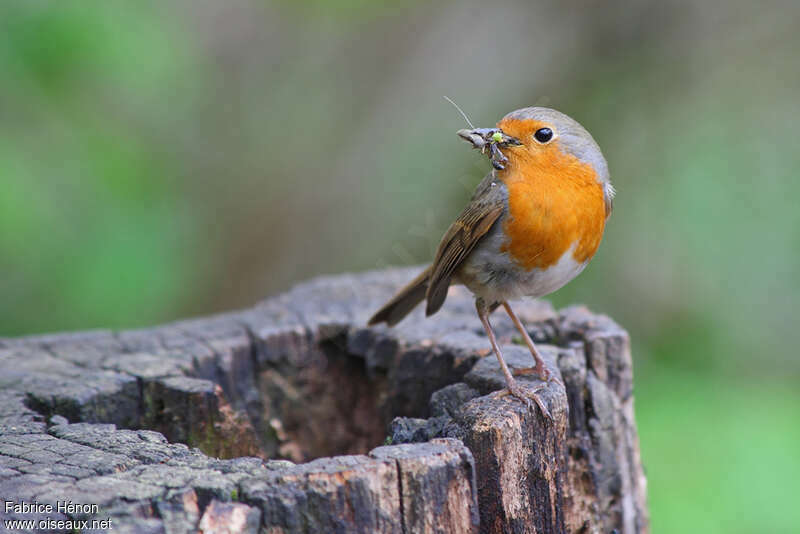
{"type": "Point", "coordinates": [531, 226]}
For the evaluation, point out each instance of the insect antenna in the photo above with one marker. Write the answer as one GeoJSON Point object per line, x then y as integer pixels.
{"type": "Point", "coordinates": [460, 111]}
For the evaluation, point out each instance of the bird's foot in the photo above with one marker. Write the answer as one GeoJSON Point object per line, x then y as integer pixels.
{"type": "Point", "coordinates": [540, 371]}
{"type": "Point", "coordinates": [526, 396]}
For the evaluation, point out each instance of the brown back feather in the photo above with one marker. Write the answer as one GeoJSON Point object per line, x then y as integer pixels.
{"type": "Point", "coordinates": [486, 206]}
{"type": "Point", "coordinates": [403, 302]}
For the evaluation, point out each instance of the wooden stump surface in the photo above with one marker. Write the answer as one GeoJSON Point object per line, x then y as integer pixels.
{"type": "Point", "coordinates": [293, 416]}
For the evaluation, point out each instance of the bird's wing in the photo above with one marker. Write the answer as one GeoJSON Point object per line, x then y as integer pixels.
{"type": "Point", "coordinates": [485, 207]}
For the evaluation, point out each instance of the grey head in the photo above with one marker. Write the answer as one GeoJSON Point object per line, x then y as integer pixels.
{"type": "Point", "coordinates": [571, 136]}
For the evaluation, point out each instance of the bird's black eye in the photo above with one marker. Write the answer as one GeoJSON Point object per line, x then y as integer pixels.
{"type": "Point", "coordinates": [543, 135]}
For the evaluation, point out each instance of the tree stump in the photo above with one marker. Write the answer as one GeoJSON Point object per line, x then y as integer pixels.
{"type": "Point", "coordinates": [295, 417]}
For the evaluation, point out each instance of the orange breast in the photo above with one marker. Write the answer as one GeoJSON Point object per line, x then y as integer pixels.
{"type": "Point", "coordinates": [555, 202]}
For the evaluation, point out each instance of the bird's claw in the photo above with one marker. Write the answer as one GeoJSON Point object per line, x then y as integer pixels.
{"type": "Point", "coordinates": [543, 373]}
{"type": "Point", "coordinates": [525, 396]}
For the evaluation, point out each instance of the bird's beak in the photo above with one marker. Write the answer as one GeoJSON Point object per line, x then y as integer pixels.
{"type": "Point", "coordinates": [491, 140]}
{"type": "Point", "coordinates": [482, 137]}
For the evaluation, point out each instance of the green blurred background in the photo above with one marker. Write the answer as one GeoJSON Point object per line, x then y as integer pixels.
{"type": "Point", "coordinates": [164, 159]}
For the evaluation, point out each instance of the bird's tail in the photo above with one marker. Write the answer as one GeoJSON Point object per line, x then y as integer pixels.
{"type": "Point", "coordinates": [404, 301]}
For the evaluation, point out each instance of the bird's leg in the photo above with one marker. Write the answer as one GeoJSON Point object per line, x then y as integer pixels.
{"type": "Point", "coordinates": [539, 370]}
{"type": "Point", "coordinates": [512, 388]}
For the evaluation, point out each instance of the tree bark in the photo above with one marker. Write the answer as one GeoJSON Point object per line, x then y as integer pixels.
{"type": "Point", "coordinates": [297, 394]}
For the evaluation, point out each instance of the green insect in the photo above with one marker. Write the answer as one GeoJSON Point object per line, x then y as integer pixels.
{"type": "Point", "coordinates": [491, 139]}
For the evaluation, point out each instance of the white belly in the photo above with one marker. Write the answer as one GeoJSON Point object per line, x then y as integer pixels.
{"type": "Point", "coordinates": [494, 276]}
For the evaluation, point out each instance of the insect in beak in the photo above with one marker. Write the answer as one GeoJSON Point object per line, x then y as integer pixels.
{"type": "Point", "coordinates": [491, 140]}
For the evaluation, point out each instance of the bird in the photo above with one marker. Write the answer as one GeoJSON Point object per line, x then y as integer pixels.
{"type": "Point", "coordinates": [532, 225]}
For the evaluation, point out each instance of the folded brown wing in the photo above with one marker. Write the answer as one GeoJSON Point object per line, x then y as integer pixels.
{"type": "Point", "coordinates": [481, 213]}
